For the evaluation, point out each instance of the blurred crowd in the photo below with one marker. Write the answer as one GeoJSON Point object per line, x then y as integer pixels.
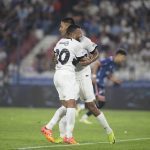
{"type": "Point", "coordinates": [113, 24]}
{"type": "Point", "coordinates": [119, 23]}
{"type": "Point", "coordinates": [20, 21]}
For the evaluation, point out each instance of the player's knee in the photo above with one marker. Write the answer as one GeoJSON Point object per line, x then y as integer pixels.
{"type": "Point", "coordinates": [71, 103]}
{"type": "Point", "coordinates": [93, 108]}
{"type": "Point", "coordinates": [89, 105]}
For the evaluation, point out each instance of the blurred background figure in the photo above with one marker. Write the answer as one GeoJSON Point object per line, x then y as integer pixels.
{"type": "Point", "coordinates": [40, 62]}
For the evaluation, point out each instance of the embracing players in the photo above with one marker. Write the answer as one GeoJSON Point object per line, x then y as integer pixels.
{"type": "Point", "coordinates": [83, 78]}
{"type": "Point", "coordinates": [68, 51]}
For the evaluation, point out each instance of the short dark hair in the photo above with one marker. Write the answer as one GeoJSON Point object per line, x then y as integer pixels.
{"type": "Point", "coordinates": [72, 28]}
{"type": "Point", "coordinates": [68, 20]}
{"type": "Point", "coordinates": [121, 51]}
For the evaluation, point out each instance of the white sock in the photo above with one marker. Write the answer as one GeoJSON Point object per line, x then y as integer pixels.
{"type": "Point", "coordinates": [101, 118]}
{"type": "Point", "coordinates": [57, 116]}
{"type": "Point", "coordinates": [62, 127]}
{"type": "Point", "coordinates": [84, 117]}
{"type": "Point", "coordinates": [70, 121]}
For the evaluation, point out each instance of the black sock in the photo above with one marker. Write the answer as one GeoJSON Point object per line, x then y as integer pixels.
{"type": "Point", "coordinates": [100, 104]}
{"type": "Point", "coordinates": [89, 113]}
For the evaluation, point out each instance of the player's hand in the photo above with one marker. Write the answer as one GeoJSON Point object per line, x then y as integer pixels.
{"type": "Point", "coordinates": [90, 56]}
{"type": "Point", "coordinates": [86, 61]}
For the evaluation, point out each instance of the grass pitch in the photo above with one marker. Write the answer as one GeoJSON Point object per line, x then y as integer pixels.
{"type": "Point", "coordinates": [20, 129]}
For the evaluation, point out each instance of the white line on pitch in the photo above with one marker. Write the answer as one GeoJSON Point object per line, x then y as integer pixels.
{"type": "Point", "coordinates": [61, 145]}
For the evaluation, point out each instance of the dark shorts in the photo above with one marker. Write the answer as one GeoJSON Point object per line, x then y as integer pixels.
{"type": "Point", "coordinates": [99, 90]}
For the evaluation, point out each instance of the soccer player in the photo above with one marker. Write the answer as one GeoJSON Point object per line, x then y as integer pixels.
{"type": "Point", "coordinates": [68, 52]}
{"type": "Point", "coordinates": [104, 69]}
{"type": "Point", "coordinates": [83, 77]}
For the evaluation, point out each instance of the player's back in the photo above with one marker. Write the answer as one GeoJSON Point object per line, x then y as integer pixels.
{"type": "Point", "coordinates": [66, 51]}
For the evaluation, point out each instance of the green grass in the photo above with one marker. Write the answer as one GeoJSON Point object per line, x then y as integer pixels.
{"type": "Point", "coordinates": [20, 127]}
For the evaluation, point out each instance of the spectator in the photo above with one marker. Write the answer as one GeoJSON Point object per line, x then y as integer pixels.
{"type": "Point", "coordinates": [41, 63]}
{"type": "Point", "coordinates": [112, 23]}
{"type": "Point", "coordinates": [3, 61]}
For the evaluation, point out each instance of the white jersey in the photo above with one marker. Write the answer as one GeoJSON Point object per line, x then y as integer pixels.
{"type": "Point", "coordinates": [88, 47]}
{"type": "Point", "coordinates": [66, 51]}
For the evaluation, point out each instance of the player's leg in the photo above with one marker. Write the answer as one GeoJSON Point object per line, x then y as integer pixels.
{"type": "Point", "coordinates": [100, 102]}
{"type": "Point", "coordinates": [62, 122]}
{"type": "Point", "coordinates": [71, 93]}
{"type": "Point", "coordinates": [62, 130]}
{"type": "Point", "coordinates": [100, 95]}
{"type": "Point", "coordinates": [102, 120]}
{"type": "Point", "coordinates": [80, 107]}
{"type": "Point", "coordinates": [47, 130]}
{"type": "Point", "coordinates": [81, 104]}
{"type": "Point", "coordinates": [89, 97]}
{"type": "Point", "coordinates": [60, 112]}
{"type": "Point", "coordinates": [62, 127]}
{"type": "Point", "coordinates": [86, 92]}
{"type": "Point", "coordinates": [66, 124]}
{"type": "Point", "coordinates": [85, 117]}
{"type": "Point", "coordinates": [70, 121]}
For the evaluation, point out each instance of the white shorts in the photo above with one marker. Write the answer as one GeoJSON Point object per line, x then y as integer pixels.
{"type": "Point", "coordinates": [66, 85]}
{"type": "Point", "coordinates": [84, 81]}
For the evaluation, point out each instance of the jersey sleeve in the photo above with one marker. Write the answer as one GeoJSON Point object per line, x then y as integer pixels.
{"type": "Point", "coordinates": [89, 45]}
{"type": "Point", "coordinates": [79, 51]}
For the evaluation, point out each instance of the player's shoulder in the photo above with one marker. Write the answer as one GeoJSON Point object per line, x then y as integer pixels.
{"type": "Point", "coordinates": [68, 42]}
{"type": "Point", "coordinates": [76, 43]}
{"type": "Point", "coordinates": [85, 39]}
{"type": "Point", "coordinates": [87, 43]}
{"type": "Point", "coordinates": [63, 41]}
{"type": "Point", "coordinates": [60, 41]}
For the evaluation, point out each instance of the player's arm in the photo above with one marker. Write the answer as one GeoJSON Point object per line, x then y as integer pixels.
{"type": "Point", "coordinates": [81, 55]}
{"type": "Point", "coordinates": [114, 79]}
{"type": "Point", "coordinates": [54, 56]}
{"type": "Point", "coordinates": [95, 67]}
{"type": "Point", "coordinates": [94, 55]}
{"type": "Point", "coordinates": [92, 49]}
{"type": "Point", "coordinates": [85, 61]}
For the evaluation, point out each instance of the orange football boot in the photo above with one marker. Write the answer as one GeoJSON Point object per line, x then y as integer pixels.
{"type": "Point", "coordinates": [48, 134]}
{"type": "Point", "coordinates": [70, 140]}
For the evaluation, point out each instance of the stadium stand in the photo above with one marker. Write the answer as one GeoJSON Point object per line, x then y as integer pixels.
{"type": "Point", "coordinates": [119, 23]}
